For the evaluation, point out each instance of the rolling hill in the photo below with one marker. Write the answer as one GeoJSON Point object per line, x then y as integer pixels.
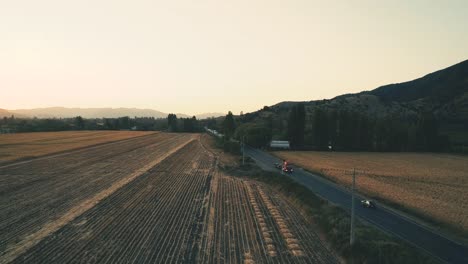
{"type": "Point", "coordinates": [443, 93]}
{"type": "Point", "coordinates": [4, 113]}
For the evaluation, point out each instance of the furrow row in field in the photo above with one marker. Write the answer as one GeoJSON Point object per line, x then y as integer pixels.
{"type": "Point", "coordinates": [189, 201]}
{"type": "Point", "coordinates": [257, 252]}
{"type": "Point", "coordinates": [21, 148]}
{"type": "Point", "coordinates": [147, 212]}
{"type": "Point", "coordinates": [54, 173]}
{"type": "Point", "coordinates": [311, 244]}
{"type": "Point", "coordinates": [295, 240]}
{"type": "Point", "coordinates": [57, 189]}
{"type": "Point", "coordinates": [247, 226]}
{"type": "Point", "coordinates": [238, 245]}
{"type": "Point", "coordinates": [261, 223]}
{"type": "Point", "coordinates": [211, 245]}
{"type": "Point", "coordinates": [17, 175]}
{"type": "Point", "coordinates": [292, 242]}
{"type": "Point", "coordinates": [207, 245]}
{"type": "Point", "coordinates": [283, 255]}
{"type": "Point", "coordinates": [250, 247]}
{"type": "Point", "coordinates": [58, 194]}
{"type": "Point", "coordinates": [148, 228]}
{"type": "Point", "coordinates": [234, 233]}
{"type": "Point", "coordinates": [154, 219]}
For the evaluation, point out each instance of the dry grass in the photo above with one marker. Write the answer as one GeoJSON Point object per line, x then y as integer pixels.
{"type": "Point", "coordinates": [435, 185]}
{"type": "Point", "coordinates": [28, 145]}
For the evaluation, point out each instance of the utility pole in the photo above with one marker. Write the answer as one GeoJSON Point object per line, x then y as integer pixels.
{"type": "Point", "coordinates": [351, 237]}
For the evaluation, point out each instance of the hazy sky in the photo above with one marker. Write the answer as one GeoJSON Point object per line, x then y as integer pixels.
{"type": "Point", "coordinates": [214, 56]}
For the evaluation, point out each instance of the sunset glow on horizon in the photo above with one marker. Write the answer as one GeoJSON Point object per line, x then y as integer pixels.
{"type": "Point", "coordinates": [214, 56]}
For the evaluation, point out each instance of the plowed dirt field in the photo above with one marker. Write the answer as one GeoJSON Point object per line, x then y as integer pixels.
{"type": "Point", "coordinates": [159, 198]}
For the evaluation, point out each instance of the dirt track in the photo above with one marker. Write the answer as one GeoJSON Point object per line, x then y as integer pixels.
{"type": "Point", "coordinates": [181, 210]}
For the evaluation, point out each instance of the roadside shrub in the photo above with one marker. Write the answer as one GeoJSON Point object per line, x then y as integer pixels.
{"type": "Point", "coordinates": [232, 147]}
{"type": "Point", "coordinates": [229, 146]}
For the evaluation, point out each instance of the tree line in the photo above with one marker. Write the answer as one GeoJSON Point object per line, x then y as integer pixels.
{"type": "Point", "coordinates": [317, 128]}
{"type": "Point", "coordinates": [331, 129]}
{"type": "Point", "coordinates": [183, 124]}
{"type": "Point", "coordinates": [353, 131]}
{"type": "Point", "coordinates": [171, 123]}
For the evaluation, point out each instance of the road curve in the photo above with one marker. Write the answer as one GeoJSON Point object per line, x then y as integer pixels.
{"type": "Point", "coordinates": [387, 220]}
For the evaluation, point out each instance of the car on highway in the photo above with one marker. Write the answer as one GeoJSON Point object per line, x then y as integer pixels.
{"type": "Point", "coordinates": [287, 169]}
{"type": "Point", "coordinates": [368, 204]}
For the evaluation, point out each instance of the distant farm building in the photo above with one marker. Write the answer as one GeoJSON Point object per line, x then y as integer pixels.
{"type": "Point", "coordinates": [278, 144]}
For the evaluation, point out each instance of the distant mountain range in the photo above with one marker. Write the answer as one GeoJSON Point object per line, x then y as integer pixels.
{"type": "Point", "coordinates": [64, 112]}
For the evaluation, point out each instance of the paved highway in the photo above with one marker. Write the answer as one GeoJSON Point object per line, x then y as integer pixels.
{"type": "Point", "coordinates": [387, 220]}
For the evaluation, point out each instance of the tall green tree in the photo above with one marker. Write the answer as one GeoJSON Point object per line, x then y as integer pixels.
{"type": "Point", "coordinates": [345, 130]}
{"type": "Point", "coordinates": [365, 133]}
{"type": "Point", "coordinates": [229, 125]}
{"type": "Point", "coordinates": [320, 128]}
{"type": "Point", "coordinates": [254, 134]}
{"type": "Point", "coordinates": [195, 125]}
{"type": "Point", "coordinates": [79, 122]}
{"type": "Point", "coordinates": [172, 122]}
{"type": "Point", "coordinates": [428, 132]}
{"type": "Point", "coordinates": [124, 122]}
{"type": "Point", "coordinates": [296, 125]}
{"type": "Point", "coordinates": [190, 124]}
{"type": "Point", "coordinates": [333, 127]}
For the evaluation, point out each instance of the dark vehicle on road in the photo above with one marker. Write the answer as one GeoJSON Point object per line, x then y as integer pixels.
{"type": "Point", "coordinates": [287, 169]}
{"type": "Point", "coordinates": [368, 204]}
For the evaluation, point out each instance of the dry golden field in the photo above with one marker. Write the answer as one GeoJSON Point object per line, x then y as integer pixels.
{"type": "Point", "coordinates": [28, 145]}
{"type": "Point", "coordinates": [159, 198]}
{"type": "Point", "coordinates": [435, 185]}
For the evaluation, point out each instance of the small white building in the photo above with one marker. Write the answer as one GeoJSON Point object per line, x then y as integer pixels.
{"type": "Point", "coordinates": [279, 144]}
